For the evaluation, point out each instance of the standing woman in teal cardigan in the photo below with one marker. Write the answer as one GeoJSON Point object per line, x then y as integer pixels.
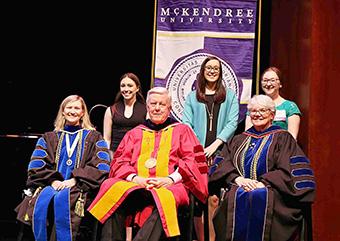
{"type": "Point", "coordinates": [212, 112]}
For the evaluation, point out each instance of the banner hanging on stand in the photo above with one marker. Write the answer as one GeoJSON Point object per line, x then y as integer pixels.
{"type": "Point", "coordinates": [188, 31]}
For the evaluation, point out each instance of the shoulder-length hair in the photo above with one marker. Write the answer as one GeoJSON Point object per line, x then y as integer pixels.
{"type": "Point", "coordinates": [220, 93]}
{"type": "Point", "coordinates": [60, 121]}
{"type": "Point", "coordinates": [139, 96]}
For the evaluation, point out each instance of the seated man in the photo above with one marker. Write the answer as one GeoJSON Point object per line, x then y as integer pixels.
{"type": "Point", "coordinates": [156, 165]}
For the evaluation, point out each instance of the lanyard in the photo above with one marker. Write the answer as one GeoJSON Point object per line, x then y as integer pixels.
{"type": "Point", "coordinates": [70, 149]}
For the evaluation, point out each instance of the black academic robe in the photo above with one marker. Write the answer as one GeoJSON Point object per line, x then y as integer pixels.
{"type": "Point", "coordinates": [89, 165]}
{"type": "Point", "coordinates": [271, 213]}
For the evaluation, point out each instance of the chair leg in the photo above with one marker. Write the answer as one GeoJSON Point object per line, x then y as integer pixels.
{"type": "Point", "coordinates": [191, 217]}
{"type": "Point", "coordinates": [306, 232]}
{"type": "Point", "coordinates": [309, 224]}
{"type": "Point", "coordinates": [94, 231]}
{"type": "Point", "coordinates": [206, 221]}
{"type": "Point", "coordinates": [21, 232]}
{"type": "Point", "coordinates": [302, 231]}
{"type": "Point", "coordinates": [25, 232]}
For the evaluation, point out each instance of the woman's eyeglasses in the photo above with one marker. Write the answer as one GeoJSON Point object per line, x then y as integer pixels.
{"type": "Point", "coordinates": [212, 68]}
{"type": "Point", "coordinates": [272, 81]}
{"type": "Point", "coordinates": [262, 112]}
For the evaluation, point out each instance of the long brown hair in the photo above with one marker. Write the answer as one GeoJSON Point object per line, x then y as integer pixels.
{"type": "Point", "coordinates": [139, 95]}
{"type": "Point", "coordinates": [220, 93]}
{"type": "Point", "coordinates": [119, 97]}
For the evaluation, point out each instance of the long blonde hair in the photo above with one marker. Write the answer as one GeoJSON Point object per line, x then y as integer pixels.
{"type": "Point", "coordinates": [60, 121]}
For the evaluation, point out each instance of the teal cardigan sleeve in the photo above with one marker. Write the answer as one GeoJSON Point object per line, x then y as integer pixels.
{"type": "Point", "coordinates": [188, 112]}
{"type": "Point", "coordinates": [195, 116]}
{"type": "Point", "coordinates": [228, 116]}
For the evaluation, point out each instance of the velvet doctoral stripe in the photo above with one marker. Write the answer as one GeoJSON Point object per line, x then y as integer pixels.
{"type": "Point", "coordinates": [36, 164]}
{"type": "Point", "coordinates": [40, 213]}
{"type": "Point", "coordinates": [162, 167]}
{"type": "Point", "coordinates": [250, 214]}
{"type": "Point", "coordinates": [62, 215]}
{"type": "Point", "coordinates": [241, 215]}
{"type": "Point", "coordinates": [155, 146]}
{"type": "Point", "coordinates": [166, 205]}
{"type": "Point", "coordinates": [148, 143]}
{"type": "Point", "coordinates": [258, 210]}
{"type": "Point", "coordinates": [103, 206]}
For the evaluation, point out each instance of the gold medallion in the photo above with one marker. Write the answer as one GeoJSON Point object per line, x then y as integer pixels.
{"type": "Point", "coordinates": [150, 163]}
{"type": "Point", "coordinates": [69, 162]}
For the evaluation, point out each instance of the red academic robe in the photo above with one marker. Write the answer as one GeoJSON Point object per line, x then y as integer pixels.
{"type": "Point", "coordinates": [175, 146]}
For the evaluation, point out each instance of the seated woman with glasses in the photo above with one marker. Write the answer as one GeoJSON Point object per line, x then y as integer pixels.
{"type": "Point", "coordinates": [287, 113]}
{"type": "Point", "coordinates": [268, 177]}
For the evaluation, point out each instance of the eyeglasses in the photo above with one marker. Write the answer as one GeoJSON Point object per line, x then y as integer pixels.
{"type": "Point", "coordinates": [262, 112]}
{"type": "Point", "coordinates": [272, 81]}
{"type": "Point", "coordinates": [211, 68]}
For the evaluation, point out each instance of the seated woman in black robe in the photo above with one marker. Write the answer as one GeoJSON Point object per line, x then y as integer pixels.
{"type": "Point", "coordinates": [268, 177]}
{"type": "Point", "coordinates": [64, 174]}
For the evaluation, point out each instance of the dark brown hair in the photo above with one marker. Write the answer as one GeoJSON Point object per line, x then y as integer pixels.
{"type": "Point", "coordinates": [139, 95]}
{"type": "Point", "coordinates": [220, 93]}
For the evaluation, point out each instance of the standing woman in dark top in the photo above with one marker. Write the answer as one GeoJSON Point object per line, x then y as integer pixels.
{"type": "Point", "coordinates": [128, 111]}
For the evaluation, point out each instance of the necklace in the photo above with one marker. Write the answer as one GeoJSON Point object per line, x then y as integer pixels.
{"type": "Point", "coordinates": [210, 115]}
{"type": "Point", "coordinates": [150, 163]}
{"type": "Point", "coordinates": [60, 142]}
{"type": "Point", "coordinates": [70, 149]}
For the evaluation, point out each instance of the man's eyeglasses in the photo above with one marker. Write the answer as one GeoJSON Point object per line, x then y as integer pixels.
{"type": "Point", "coordinates": [272, 81]}
{"type": "Point", "coordinates": [211, 68]}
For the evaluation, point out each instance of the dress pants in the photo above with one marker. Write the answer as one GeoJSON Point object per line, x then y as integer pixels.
{"type": "Point", "coordinates": [114, 227]}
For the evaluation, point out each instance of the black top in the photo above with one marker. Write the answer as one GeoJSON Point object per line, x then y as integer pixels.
{"type": "Point", "coordinates": [121, 124]}
{"type": "Point", "coordinates": [211, 135]}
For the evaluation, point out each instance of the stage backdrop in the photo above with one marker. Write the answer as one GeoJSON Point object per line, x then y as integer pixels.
{"type": "Point", "coordinates": [188, 31]}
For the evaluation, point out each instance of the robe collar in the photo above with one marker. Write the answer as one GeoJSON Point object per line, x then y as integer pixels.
{"type": "Point", "coordinates": [270, 130]}
{"type": "Point", "coordinates": [149, 124]}
{"type": "Point", "coordinates": [72, 129]}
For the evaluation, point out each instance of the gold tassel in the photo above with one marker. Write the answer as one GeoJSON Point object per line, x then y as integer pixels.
{"type": "Point", "coordinates": [36, 191]}
{"type": "Point", "coordinates": [79, 209]}
{"type": "Point", "coordinates": [26, 218]}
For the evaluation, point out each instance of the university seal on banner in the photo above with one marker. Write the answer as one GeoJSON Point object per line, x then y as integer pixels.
{"type": "Point", "coordinates": [183, 76]}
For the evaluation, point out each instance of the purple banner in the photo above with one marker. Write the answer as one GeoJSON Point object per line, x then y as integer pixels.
{"type": "Point", "coordinates": [221, 16]}
{"type": "Point", "coordinates": [188, 31]}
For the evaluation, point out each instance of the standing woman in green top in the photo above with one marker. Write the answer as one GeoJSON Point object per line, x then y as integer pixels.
{"type": "Point", "coordinates": [212, 112]}
{"type": "Point", "coordinates": [287, 113]}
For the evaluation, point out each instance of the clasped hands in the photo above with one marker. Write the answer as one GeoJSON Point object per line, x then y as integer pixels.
{"type": "Point", "coordinates": [248, 184]}
{"type": "Point", "coordinates": [153, 182]}
{"type": "Point", "coordinates": [61, 185]}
